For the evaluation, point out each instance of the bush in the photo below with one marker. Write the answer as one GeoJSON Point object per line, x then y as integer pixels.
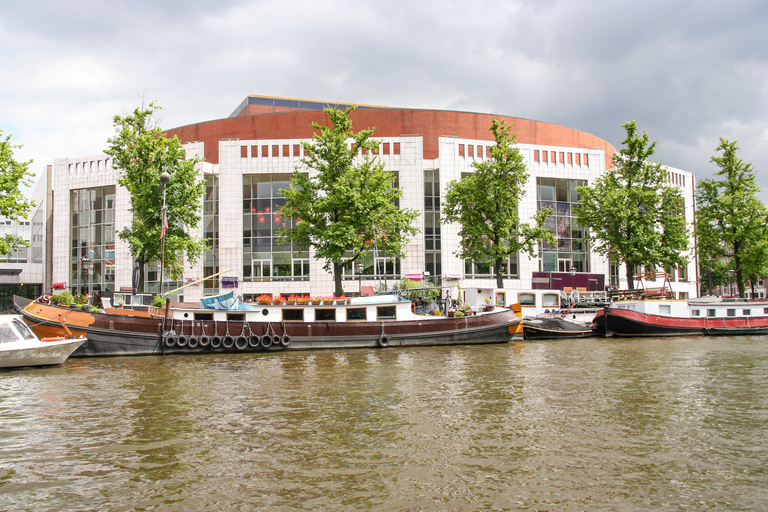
{"type": "Point", "coordinates": [158, 301]}
{"type": "Point", "coordinates": [424, 294]}
{"type": "Point", "coordinates": [62, 299]}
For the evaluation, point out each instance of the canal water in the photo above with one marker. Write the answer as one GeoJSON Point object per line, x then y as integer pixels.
{"type": "Point", "coordinates": [591, 424]}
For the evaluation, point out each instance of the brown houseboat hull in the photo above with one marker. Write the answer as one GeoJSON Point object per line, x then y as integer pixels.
{"type": "Point", "coordinates": [124, 334]}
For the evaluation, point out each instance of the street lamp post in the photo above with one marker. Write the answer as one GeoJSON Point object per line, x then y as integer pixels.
{"type": "Point", "coordinates": [572, 271]}
{"type": "Point", "coordinates": [164, 179]}
{"type": "Point", "coordinates": [86, 264]}
{"type": "Point", "coordinates": [360, 268]}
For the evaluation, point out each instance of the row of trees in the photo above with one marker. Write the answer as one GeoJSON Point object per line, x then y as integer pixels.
{"type": "Point", "coordinates": [13, 204]}
{"type": "Point", "coordinates": [341, 200]}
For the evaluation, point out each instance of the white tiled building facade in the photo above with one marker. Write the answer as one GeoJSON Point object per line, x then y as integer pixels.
{"type": "Point", "coordinates": [90, 208]}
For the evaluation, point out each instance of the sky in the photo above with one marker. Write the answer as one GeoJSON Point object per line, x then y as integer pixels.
{"type": "Point", "coordinates": [688, 72]}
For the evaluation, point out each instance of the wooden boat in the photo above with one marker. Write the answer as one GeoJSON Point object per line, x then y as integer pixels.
{"type": "Point", "coordinates": [657, 314]}
{"type": "Point", "coordinates": [19, 346]}
{"type": "Point", "coordinates": [550, 327]}
{"type": "Point", "coordinates": [378, 321]}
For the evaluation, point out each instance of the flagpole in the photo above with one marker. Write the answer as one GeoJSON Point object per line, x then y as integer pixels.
{"type": "Point", "coordinates": [164, 179]}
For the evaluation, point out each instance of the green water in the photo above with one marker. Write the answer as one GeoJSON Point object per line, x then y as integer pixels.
{"type": "Point", "coordinates": [593, 424]}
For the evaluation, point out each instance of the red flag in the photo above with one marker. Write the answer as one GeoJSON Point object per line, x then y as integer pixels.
{"type": "Point", "coordinates": [165, 226]}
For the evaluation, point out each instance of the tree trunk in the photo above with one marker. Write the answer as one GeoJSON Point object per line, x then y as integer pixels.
{"type": "Point", "coordinates": [499, 272]}
{"type": "Point", "coordinates": [739, 277]}
{"type": "Point", "coordinates": [630, 276]}
{"type": "Point", "coordinates": [339, 290]}
{"type": "Point", "coordinates": [140, 283]}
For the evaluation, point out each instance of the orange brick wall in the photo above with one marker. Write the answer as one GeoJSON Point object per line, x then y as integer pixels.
{"type": "Point", "coordinates": [389, 122]}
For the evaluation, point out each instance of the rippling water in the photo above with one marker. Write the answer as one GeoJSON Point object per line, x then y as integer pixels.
{"type": "Point", "coordinates": [594, 424]}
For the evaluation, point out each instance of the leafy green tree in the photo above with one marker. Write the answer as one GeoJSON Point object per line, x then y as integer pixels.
{"type": "Point", "coordinates": [141, 152]}
{"type": "Point", "coordinates": [349, 202]}
{"type": "Point", "coordinates": [485, 205]}
{"type": "Point", "coordinates": [731, 222]}
{"type": "Point", "coordinates": [13, 204]}
{"type": "Point", "coordinates": [634, 215]}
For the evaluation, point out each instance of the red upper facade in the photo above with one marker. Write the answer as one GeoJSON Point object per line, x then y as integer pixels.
{"type": "Point", "coordinates": [254, 121]}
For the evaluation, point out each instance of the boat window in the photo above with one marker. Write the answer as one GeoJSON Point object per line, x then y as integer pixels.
{"type": "Point", "coordinates": [746, 312]}
{"type": "Point", "coordinates": [711, 312]}
{"type": "Point", "coordinates": [665, 309]}
{"type": "Point", "coordinates": [204, 316]}
{"type": "Point", "coordinates": [293, 315]}
{"type": "Point", "coordinates": [25, 332]}
{"type": "Point", "coordinates": [550, 300]}
{"type": "Point", "coordinates": [501, 299]}
{"type": "Point", "coordinates": [356, 314]}
{"type": "Point", "coordinates": [7, 334]}
{"type": "Point", "coordinates": [731, 312]}
{"type": "Point", "coordinates": [385, 312]}
{"type": "Point", "coordinates": [695, 312]}
{"type": "Point", "coordinates": [236, 317]}
{"type": "Point", "coordinates": [526, 299]}
{"type": "Point", "coordinates": [765, 311]}
{"type": "Point", "coordinates": [325, 315]}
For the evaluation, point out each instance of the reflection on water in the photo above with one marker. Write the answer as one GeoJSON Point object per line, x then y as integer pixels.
{"type": "Point", "coordinates": [594, 424]}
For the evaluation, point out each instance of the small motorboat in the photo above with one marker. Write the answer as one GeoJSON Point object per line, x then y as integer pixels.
{"type": "Point", "coordinates": [19, 346]}
{"type": "Point", "coordinates": [552, 327]}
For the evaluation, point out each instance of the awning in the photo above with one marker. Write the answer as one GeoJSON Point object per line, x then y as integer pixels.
{"type": "Point", "coordinates": [229, 282]}
{"type": "Point", "coordinates": [59, 286]}
{"type": "Point", "coordinates": [414, 277]}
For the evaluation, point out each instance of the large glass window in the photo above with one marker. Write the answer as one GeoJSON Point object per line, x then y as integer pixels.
{"type": "Point", "coordinates": [570, 247]}
{"type": "Point", "coordinates": [432, 233]}
{"type": "Point", "coordinates": [374, 264]}
{"type": "Point", "coordinates": [92, 211]}
{"type": "Point", "coordinates": [264, 257]}
{"type": "Point", "coordinates": [484, 269]}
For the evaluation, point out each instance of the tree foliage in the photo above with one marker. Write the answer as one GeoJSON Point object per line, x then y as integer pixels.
{"type": "Point", "coordinates": [485, 204]}
{"type": "Point", "coordinates": [731, 222]}
{"type": "Point", "coordinates": [349, 203]}
{"type": "Point", "coordinates": [13, 204]}
{"type": "Point", "coordinates": [141, 152]}
{"type": "Point", "coordinates": [634, 215]}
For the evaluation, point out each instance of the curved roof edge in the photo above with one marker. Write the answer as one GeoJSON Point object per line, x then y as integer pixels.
{"type": "Point", "coordinates": [430, 124]}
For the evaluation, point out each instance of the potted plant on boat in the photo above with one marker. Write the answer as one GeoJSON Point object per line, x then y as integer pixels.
{"type": "Point", "coordinates": [316, 300]}
{"type": "Point", "coordinates": [264, 299]}
{"type": "Point", "coordinates": [291, 300]}
{"type": "Point", "coordinates": [277, 300]}
{"type": "Point", "coordinates": [343, 299]}
{"type": "Point", "coordinates": [302, 300]}
{"type": "Point", "coordinates": [488, 305]}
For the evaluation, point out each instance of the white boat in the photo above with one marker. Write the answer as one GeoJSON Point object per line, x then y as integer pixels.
{"type": "Point", "coordinates": [19, 346]}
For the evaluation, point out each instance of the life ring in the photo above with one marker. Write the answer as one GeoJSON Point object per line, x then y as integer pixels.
{"type": "Point", "coordinates": [254, 341]}
{"type": "Point", "coordinates": [285, 340]}
{"type": "Point", "coordinates": [241, 343]}
{"type": "Point", "coordinates": [193, 342]}
{"type": "Point", "coordinates": [170, 341]}
{"type": "Point", "coordinates": [181, 341]}
{"type": "Point", "coordinates": [383, 341]}
{"type": "Point", "coordinates": [266, 341]}
{"type": "Point", "coordinates": [53, 338]}
{"type": "Point", "coordinates": [204, 341]}
{"type": "Point", "coordinates": [228, 342]}
{"type": "Point", "coordinates": [216, 342]}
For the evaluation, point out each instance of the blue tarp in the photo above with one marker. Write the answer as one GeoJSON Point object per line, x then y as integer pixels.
{"type": "Point", "coordinates": [224, 301]}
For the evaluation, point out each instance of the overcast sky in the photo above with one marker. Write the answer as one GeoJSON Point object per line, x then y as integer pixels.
{"type": "Point", "coordinates": [688, 72]}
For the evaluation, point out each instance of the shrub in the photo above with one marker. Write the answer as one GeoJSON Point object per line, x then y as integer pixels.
{"type": "Point", "coordinates": [158, 301]}
{"type": "Point", "coordinates": [63, 299]}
